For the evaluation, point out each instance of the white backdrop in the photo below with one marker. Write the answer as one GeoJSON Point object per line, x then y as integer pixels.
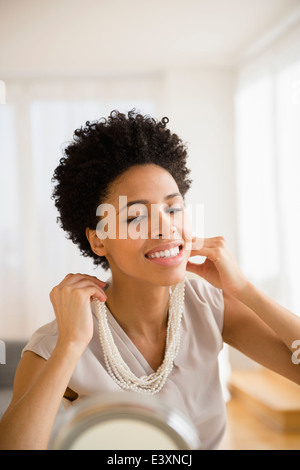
{"type": "Point", "coordinates": [267, 111]}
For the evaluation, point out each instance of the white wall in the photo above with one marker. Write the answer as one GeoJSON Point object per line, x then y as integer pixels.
{"type": "Point", "coordinates": [199, 103]}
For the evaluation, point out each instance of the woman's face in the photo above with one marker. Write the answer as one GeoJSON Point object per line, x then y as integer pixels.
{"type": "Point", "coordinates": [144, 234]}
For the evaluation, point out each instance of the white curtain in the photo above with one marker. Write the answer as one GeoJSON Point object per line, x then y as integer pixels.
{"type": "Point", "coordinates": [35, 123]}
{"type": "Point", "coordinates": [267, 113]}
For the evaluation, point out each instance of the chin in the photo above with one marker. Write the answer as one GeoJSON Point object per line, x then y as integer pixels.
{"type": "Point", "coordinates": [174, 276]}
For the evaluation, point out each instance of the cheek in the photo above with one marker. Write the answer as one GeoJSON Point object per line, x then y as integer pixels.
{"type": "Point", "coordinates": [186, 227]}
{"type": "Point", "coordinates": [123, 252]}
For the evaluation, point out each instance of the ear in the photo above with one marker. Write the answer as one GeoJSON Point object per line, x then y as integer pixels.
{"type": "Point", "coordinates": [96, 243]}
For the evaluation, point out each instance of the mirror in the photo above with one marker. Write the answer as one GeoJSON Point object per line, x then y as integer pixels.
{"type": "Point", "coordinates": [124, 421]}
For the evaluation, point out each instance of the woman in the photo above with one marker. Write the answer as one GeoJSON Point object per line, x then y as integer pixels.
{"type": "Point", "coordinates": [168, 339]}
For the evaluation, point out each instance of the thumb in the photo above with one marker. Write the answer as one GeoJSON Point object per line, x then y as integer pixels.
{"type": "Point", "coordinates": [194, 268]}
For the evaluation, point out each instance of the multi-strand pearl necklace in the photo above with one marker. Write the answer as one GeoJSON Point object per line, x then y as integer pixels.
{"type": "Point", "coordinates": [117, 367]}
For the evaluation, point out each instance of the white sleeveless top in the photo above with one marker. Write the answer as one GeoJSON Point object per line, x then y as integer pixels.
{"type": "Point", "coordinates": [193, 386]}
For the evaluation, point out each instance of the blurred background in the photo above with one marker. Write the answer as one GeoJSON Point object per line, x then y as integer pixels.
{"type": "Point", "coordinates": [225, 72]}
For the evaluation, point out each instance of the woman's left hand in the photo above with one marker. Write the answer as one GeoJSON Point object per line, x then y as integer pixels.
{"type": "Point", "coordinates": [220, 268]}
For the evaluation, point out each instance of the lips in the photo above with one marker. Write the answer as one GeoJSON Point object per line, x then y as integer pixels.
{"type": "Point", "coordinates": [165, 250]}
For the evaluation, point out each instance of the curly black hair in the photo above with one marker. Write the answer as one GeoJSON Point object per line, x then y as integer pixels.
{"type": "Point", "coordinates": [99, 153]}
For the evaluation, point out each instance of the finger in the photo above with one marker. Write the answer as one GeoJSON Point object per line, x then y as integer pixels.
{"type": "Point", "coordinates": [194, 268]}
{"type": "Point", "coordinates": [86, 284]}
{"type": "Point", "coordinates": [214, 242]}
{"type": "Point", "coordinates": [194, 243]}
{"type": "Point", "coordinates": [207, 246]}
{"type": "Point", "coordinates": [73, 278]}
{"type": "Point", "coordinates": [198, 243]}
{"type": "Point", "coordinates": [102, 283]}
{"type": "Point", "coordinates": [208, 240]}
{"type": "Point", "coordinates": [92, 292]}
{"type": "Point", "coordinates": [212, 254]}
{"type": "Point", "coordinates": [97, 293]}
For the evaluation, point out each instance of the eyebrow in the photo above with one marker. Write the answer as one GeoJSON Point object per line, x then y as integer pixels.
{"type": "Point", "coordinates": [144, 201]}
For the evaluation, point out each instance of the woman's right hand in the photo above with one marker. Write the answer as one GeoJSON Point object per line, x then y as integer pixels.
{"type": "Point", "coordinates": [71, 300]}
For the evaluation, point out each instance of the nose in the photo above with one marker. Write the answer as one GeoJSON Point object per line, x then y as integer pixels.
{"type": "Point", "coordinates": [161, 224]}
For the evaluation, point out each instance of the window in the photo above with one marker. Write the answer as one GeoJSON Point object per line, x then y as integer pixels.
{"type": "Point", "coordinates": [267, 112]}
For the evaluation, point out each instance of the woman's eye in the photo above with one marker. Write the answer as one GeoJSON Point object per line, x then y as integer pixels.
{"type": "Point", "coordinates": [137, 219]}
{"type": "Point", "coordinates": [172, 210]}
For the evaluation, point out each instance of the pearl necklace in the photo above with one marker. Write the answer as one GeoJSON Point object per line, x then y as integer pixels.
{"type": "Point", "coordinates": [117, 367]}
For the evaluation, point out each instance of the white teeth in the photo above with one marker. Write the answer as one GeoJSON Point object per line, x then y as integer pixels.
{"type": "Point", "coordinates": [165, 254]}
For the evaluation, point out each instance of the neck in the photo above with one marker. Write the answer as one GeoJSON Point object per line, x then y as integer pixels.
{"type": "Point", "coordinates": [139, 308]}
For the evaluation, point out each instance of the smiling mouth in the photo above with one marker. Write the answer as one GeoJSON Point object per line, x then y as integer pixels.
{"type": "Point", "coordinates": [172, 252]}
